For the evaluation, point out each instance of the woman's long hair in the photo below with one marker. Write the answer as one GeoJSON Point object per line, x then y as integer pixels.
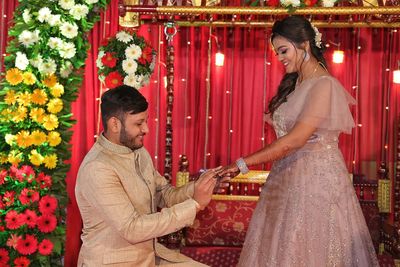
{"type": "Point", "coordinates": [297, 30]}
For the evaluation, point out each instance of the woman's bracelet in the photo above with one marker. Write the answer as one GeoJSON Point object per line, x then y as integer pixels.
{"type": "Point", "coordinates": [242, 166]}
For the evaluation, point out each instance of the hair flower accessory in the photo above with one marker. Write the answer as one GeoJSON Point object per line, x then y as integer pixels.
{"type": "Point", "coordinates": [318, 37]}
{"type": "Point", "coordinates": [126, 59]}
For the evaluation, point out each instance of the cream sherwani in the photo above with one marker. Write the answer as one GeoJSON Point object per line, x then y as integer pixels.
{"type": "Point", "coordinates": [118, 192]}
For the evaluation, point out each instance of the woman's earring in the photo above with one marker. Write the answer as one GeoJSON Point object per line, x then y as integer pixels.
{"type": "Point", "coordinates": [306, 56]}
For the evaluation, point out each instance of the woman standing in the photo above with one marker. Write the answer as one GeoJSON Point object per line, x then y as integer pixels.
{"type": "Point", "coordinates": [308, 213]}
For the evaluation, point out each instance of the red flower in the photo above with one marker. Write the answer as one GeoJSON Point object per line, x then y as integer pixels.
{"type": "Point", "coordinates": [113, 79]}
{"type": "Point", "coordinates": [27, 245]}
{"type": "Point", "coordinates": [147, 55]}
{"type": "Point", "coordinates": [13, 220]}
{"type": "Point", "coordinates": [3, 174]}
{"type": "Point", "coordinates": [2, 229]}
{"type": "Point", "coordinates": [22, 262]}
{"type": "Point", "coordinates": [4, 257]}
{"type": "Point", "coordinates": [28, 173]}
{"type": "Point", "coordinates": [2, 206]}
{"type": "Point", "coordinates": [46, 223]}
{"type": "Point", "coordinates": [28, 196]}
{"type": "Point", "coordinates": [46, 247]}
{"type": "Point", "coordinates": [109, 60]}
{"type": "Point", "coordinates": [273, 3]}
{"type": "Point", "coordinates": [44, 180]}
{"type": "Point", "coordinates": [8, 198]}
{"type": "Point", "coordinates": [104, 42]}
{"type": "Point", "coordinates": [47, 204]}
{"type": "Point", "coordinates": [30, 218]}
{"type": "Point", "coordinates": [13, 171]}
{"type": "Point", "coordinates": [310, 2]}
{"type": "Point", "coordinates": [12, 241]}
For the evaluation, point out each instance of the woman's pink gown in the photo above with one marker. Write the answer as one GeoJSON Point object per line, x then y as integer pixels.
{"type": "Point", "coordinates": [308, 213]}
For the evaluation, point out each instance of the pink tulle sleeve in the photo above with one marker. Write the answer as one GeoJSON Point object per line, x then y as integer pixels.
{"type": "Point", "coordinates": [326, 106]}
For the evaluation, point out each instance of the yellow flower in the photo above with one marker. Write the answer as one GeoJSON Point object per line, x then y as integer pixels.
{"type": "Point", "coordinates": [6, 114]}
{"type": "Point", "coordinates": [10, 97]}
{"type": "Point", "coordinates": [54, 138]}
{"type": "Point", "coordinates": [9, 139]}
{"type": "Point", "coordinates": [57, 90]}
{"type": "Point", "coordinates": [20, 114]}
{"type": "Point", "coordinates": [15, 157]}
{"type": "Point", "coordinates": [50, 122]}
{"type": "Point", "coordinates": [24, 99]}
{"type": "Point", "coordinates": [37, 114]}
{"type": "Point", "coordinates": [35, 158]}
{"type": "Point", "coordinates": [50, 161]}
{"type": "Point", "coordinates": [14, 76]}
{"type": "Point", "coordinates": [38, 137]}
{"type": "Point", "coordinates": [39, 97]}
{"type": "Point", "coordinates": [29, 78]}
{"type": "Point", "coordinates": [50, 80]}
{"type": "Point", "coordinates": [23, 139]}
{"type": "Point", "coordinates": [3, 158]}
{"type": "Point", "coordinates": [55, 105]}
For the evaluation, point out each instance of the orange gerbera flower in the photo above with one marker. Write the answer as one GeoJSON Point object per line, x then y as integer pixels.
{"type": "Point", "coordinates": [14, 76]}
{"type": "Point", "coordinates": [50, 80]}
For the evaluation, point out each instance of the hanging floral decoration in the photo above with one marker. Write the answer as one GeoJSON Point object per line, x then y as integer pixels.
{"type": "Point", "coordinates": [47, 47]}
{"type": "Point", "coordinates": [126, 59]}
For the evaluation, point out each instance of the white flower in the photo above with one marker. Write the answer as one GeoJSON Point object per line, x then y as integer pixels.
{"type": "Point", "coordinates": [21, 61]}
{"type": "Point", "coordinates": [98, 60]}
{"type": "Point", "coordinates": [54, 20]}
{"type": "Point", "coordinates": [293, 3]}
{"type": "Point", "coordinates": [102, 78]}
{"type": "Point", "coordinates": [27, 38]}
{"type": "Point", "coordinates": [66, 4]}
{"type": "Point", "coordinates": [67, 50]}
{"type": "Point", "coordinates": [131, 80]}
{"type": "Point", "coordinates": [44, 14]}
{"type": "Point", "coordinates": [54, 42]}
{"type": "Point", "coordinates": [124, 37]}
{"type": "Point", "coordinates": [27, 16]}
{"type": "Point", "coordinates": [133, 52]}
{"type": "Point", "coordinates": [36, 61]}
{"type": "Point", "coordinates": [91, 1]}
{"type": "Point", "coordinates": [79, 11]}
{"type": "Point", "coordinates": [48, 66]}
{"type": "Point", "coordinates": [66, 70]}
{"type": "Point", "coordinates": [69, 30]}
{"type": "Point", "coordinates": [328, 3]}
{"type": "Point", "coordinates": [35, 36]}
{"type": "Point", "coordinates": [129, 66]}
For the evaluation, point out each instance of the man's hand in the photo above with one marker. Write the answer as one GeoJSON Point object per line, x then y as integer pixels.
{"type": "Point", "coordinates": [204, 187]}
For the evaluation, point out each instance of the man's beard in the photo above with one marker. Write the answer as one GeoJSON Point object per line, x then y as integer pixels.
{"type": "Point", "coordinates": [127, 140]}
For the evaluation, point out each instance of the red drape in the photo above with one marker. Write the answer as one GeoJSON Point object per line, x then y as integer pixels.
{"type": "Point", "coordinates": [218, 111]}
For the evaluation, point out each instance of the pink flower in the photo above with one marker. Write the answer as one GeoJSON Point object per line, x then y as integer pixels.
{"type": "Point", "coordinates": [12, 241]}
{"type": "Point", "coordinates": [27, 245]}
{"type": "Point", "coordinates": [47, 204]}
{"type": "Point", "coordinates": [45, 247]}
{"type": "Point", "coordinates": [28, 172]}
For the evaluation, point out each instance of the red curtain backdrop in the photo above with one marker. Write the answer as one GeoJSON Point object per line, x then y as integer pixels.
{"type": "Point", "coordinates": [218, 111]}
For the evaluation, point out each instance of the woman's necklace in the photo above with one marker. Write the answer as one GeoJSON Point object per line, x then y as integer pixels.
{"type": "Point", "coordinates": [309, 76]}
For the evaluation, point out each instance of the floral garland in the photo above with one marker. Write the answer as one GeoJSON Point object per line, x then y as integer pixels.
{"type": "Point", "coordinates": [127, 59]}
{"type": "Point", "coordinates": [47, 48]}
{"type": "Point", "coordinates": [293, 4]}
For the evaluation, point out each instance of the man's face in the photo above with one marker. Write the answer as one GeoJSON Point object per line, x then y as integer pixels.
{"type": "Point", "coordinates": [134, 127]}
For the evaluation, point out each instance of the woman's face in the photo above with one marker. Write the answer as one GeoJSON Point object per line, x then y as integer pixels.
{"type": "Point", "coordinates": [287, 53]}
